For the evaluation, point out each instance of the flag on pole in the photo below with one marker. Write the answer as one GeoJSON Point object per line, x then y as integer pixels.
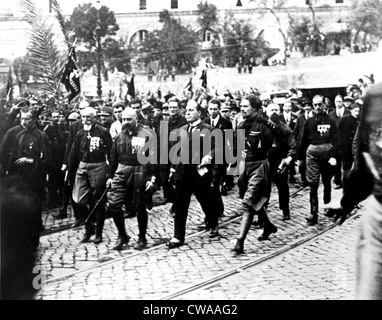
{"type": "Point", "coordinates": [71, 76]}
{"type": "Point", "coordinates": [203, 77]}
{"type": "Point", "coordinates": [188, 86]}
{"type": "Point", "coordinates": [131, 87]}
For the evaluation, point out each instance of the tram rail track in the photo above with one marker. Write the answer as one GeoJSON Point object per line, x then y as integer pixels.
{"type": "Point", "coordinates": [157, 246]}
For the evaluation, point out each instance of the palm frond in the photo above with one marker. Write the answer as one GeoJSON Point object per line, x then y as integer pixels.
{"type": "Point", "coordinates": [45, 57]}
{"type": "Point", "coordinates": [61, 20]}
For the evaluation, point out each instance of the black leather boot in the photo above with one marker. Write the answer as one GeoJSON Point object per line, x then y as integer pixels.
{"type": "Point", "coordinates": [239, 246]}
{"type": "Point", "coordinates": [121, 241]}
{"type": "Point", "coordinates": [312, 220]}
{"type": "Point", "coordinates": [89, 231]}
{"type": "Point", "coordinates": [268, 230]}
{"type": "Point", "coordinates": [119, 221]}
{"type": "Point", "coordinates": [100, 220]}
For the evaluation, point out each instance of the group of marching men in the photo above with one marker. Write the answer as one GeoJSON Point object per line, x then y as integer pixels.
{"type": "Point", "coordinates": [93, 158]}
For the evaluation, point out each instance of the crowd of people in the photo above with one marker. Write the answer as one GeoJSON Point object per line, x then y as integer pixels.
{"type": "Point", "coordinates": [109, 158]}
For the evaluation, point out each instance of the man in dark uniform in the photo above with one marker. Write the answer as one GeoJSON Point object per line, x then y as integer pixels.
{"type": "Point", "coordinates": [337, 114]}
{"type": "Point", "coordinates": [280, 155]}
{"type": "Point", "coordinates": [55, 176]}
{"type": "Point", "coordinates": [347, 128]}
{"type": "Point", "coordinates": [319, 149]}
{"type": "Point", "coordinates": [28, 158]}
{"type": "Point", "coordinates": [128, 175]}
{"type": "Point", "coordinates": [74, 128]}
{"type": "Point", "coordinates": [87, 161]}
{"type": "Point", "coordinates": [254, 181]}
{"type": "Point", "coordinates": [364, 181]}
{"type": "Point", "coordinates": [193, 173]}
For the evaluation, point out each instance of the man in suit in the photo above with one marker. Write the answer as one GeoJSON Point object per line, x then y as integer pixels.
{"type": "Point", "coordinates": [337, 115]}
{"type": "Point", "coordinates": [174, 122]}
{"type": "Point", "coordinates": [297, 132]}
{"type": "Point", "coordinates": [216, 120]}
{"type": "Point", "coordinates": [193, 173]}
{"type": "Point", "coordinates": [290, 120]}
{"type": "Point", "coordinates": [280, 155]}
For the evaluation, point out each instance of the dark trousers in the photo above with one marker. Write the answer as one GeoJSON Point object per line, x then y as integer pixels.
{"type": "Point", "coordinates": [302, 170]}
{"type": "Point", "coordinates": [129, 180]}
{"type": "Point", "coordinates": [193, 183]}
{"type": "Point", "coordinates": [55, 183]}
{"type": "Point", "coordinates": [338, 172]}
{"type": "Point", "coordinates": [281, 182]}
{"type": "Point", "coordinates": [168, 188]}
{"type": "Point", "coordinates": [317, 165]}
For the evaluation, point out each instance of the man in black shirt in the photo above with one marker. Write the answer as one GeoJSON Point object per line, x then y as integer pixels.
{"type": "Point", "coordinates": [87, 160]}
{"type": "Point", "coordinates": [319, 148]}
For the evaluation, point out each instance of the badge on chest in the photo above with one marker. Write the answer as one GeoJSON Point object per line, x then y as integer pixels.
{"type": "Point", "coordinates": [137, 143]}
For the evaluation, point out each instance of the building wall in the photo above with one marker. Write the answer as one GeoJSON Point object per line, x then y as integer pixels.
{"type": "Point", "coordinates": [14, 37]}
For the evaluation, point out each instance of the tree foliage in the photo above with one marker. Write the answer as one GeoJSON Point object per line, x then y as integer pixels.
{"type": "Point", "coordinates": [174, 45]}
{"type": "Point", "coordinates": [364, 16]}
{"type": "Point", "coordinates": [83, 24]}
{"type": "Point", "coordinates": [207, 15]}
{"type": "Point", "coordinates": [240, 42]}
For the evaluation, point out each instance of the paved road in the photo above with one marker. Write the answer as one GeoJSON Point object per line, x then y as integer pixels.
{"type": "Point", "coordinates": [204, 268]}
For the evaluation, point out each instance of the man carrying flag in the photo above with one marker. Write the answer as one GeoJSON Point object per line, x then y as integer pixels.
{"type": "Point", "coordinates": [71, 77]}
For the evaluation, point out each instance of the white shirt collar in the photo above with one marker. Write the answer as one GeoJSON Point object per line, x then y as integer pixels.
{"type": "Point", "coordinates": [215, 121]}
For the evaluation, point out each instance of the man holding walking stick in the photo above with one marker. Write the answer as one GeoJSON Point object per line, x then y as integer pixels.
{"type": "Point", "coordinates": [88, 155]}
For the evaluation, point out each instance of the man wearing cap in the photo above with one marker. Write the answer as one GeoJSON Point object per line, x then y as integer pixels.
{"type": "Point", "coordinates": [55, 177]}
{"type": "Point", "coordinates": [127, 175]}
{"type": "Point", "coordinates": [298, 130]}
{"type": "Point", "coordinates": [337, 114]}
{"type": "Point", "coordinates": [87, 162]}
{"type": "Point", "coordinates": [348, 101]}
{"type": "Point", "coordinates": [319, 149]}
{"type": "Point", "coordinates": [254, 180]}
{"type": "Point", "coordinates": [116, 126]}
{"type": "Point", "coordinates": [105, 117]}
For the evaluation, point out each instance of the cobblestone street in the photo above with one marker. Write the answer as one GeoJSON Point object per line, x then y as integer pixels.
{"type": "Point", "coordinates": [293, 264]}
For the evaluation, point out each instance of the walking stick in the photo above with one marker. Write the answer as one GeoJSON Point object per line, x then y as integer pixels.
{"type": "Point", "coordinates": [97, 204]}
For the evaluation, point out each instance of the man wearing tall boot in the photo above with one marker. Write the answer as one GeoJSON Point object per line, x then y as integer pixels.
{"type": "Point", "coordinates": [319, 149]}
{"type": "Point", "coordinates": [254, 181]}
{"type": "Point", "coordinates": [87, 160]}
{"type": "Point", "coordinates": [128, 175]}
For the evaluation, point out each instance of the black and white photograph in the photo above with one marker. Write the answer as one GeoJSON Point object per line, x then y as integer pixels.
{"type": "Point", "coordinates": [191, 156]}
